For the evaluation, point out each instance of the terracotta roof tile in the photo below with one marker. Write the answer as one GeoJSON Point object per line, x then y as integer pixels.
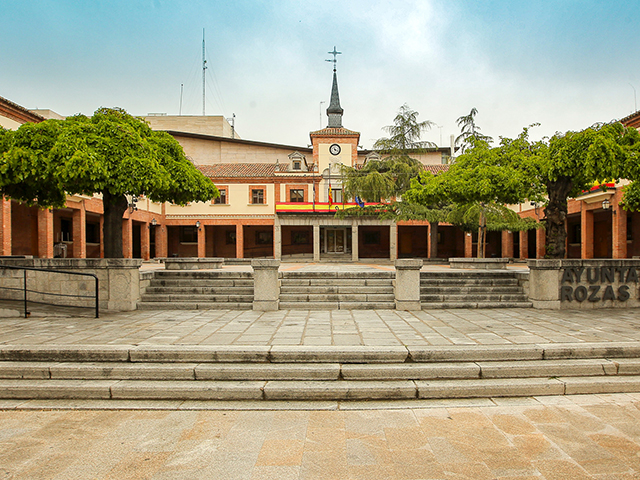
{"type": "Point", "coordinates": [332, 131]}
{"type": "Point", "coordinates": [436, 169]}
{"type": "Point", "coordinates": [241, 170]}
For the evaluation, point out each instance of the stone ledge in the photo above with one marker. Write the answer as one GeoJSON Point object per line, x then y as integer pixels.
{"type": "Point", "coordinates": [193, 263]}
{"type": "Point", "coordinates": [479, 263]}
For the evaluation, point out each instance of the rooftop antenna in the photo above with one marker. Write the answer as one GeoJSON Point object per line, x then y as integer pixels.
{"type": "Point", "coordinates": [321, 108]}
{"type": "Point", "coordinates": [204, 68]}
{"type": "Point", "coordinates": [181, 91]}
{"type": "Point", "coordinates": [335, 55]}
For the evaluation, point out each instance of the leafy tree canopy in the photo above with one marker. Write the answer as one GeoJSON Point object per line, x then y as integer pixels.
{"type": "Point", "coordinates": [112, 153]}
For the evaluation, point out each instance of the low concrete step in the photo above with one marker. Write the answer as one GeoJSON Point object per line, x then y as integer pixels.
{"type": "Point", "coordinates": [206, 274]}
{"type": "Point", "coordinates": [191, 298]}
{"type": "Point", "coordinates": [204, 305]}
{"type": "Point", "coordinates": [364, 297]}
{"type": "Point", "coordinates": [337, 282]}
{"type": "Point", "coordinates": [454, 305]}
{"type": "Point", "coordinates": [223, 290]}
{"type": "Point", "coordinates": [474, 298]}
{"type": "Point", "coordinates": [337, 305]}
{"type": "Point", "coordinates": [325, 290]}
{"type": "Point", "coordinates": [201, 282]}
{"type": "Point", "coordinates": [449, 289]}
{"type": "Point", "coordinates": [467, 282]}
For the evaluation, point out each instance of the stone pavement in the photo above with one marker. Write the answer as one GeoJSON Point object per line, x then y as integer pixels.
{"type": "Point", "coordinates": [336, 327]}
{"type": "Point", "coordinates": [570, 438]}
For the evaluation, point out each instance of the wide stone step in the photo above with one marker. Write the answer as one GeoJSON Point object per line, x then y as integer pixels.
{"type": "Point", "coordinates": [463, 282]}
{"type": "Point", "coordinates": [455, 305]}
{"type": "Point", "coordinates": [337, 305]}
{"type": "Point", "coordinates": [202, 274]}
{"type": "Point", "coordinates": [479, 274]}
{"type": "Point", "coordinates": [199, 305]}
{"type": "Point", "coordinates": [313, 389]}
{"type": "Point", "coordinates": [340, 275]}
{"type": "Point", "coordinates": [474, 298]}
{"type": "Point", "coordinates": [344, 297]}
{"type": "Point", "coordinates": [495, 289]}
{"type": "Point", "coordinates": [201, 290]}
{"type": "Point", "coordinates": [173, 297]}
{"type": "Point", "coordinates": [200, 282]}
{"type": "Point", "coordinates": [325, 290]}
{"type": "Point", "coordinates": [321, 282]}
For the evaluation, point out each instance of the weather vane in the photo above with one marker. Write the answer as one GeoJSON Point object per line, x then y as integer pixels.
{"type": "Point", "coordinates": [335, 57]}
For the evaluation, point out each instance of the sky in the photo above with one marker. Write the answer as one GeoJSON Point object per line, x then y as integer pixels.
{"type": "Point", "coordinates": [562, 64]}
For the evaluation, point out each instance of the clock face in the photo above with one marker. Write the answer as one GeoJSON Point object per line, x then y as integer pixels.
{"type": "Point", "coordinates": [334, 149]}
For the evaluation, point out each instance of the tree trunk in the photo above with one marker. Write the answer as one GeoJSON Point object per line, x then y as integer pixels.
{"type": "Point", "coordinates": [556, 216]}
{"type": "Point", "coordinates": [114, 208]}
{"type": "Point", "coordinates": [434, 240]}
{"type": "Point", "coordinates": [482, 234]}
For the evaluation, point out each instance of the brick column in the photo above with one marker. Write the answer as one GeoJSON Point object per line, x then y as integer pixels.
{"type": "Point", "coordinates": [432, 240]}
{"type": "Point", "coordinates": [619, 233]}
{"type": "Point", "coordinates": [586, 238]}
{"type": "Point", "coordinates": [239, 241]}
{"type": "Point", "coordinates": [540, 241]}
{"type": "Point", "coordinates": [202, 242]}
{"type": "Point", "coordinates": [45, 233]}
{"type": "Point", "coordinates": [468, 245]}
{"type": "Point", "coordinates": [507, 244]}
{"type": "Point", "coordinates": [145, 241]}
{"type": "Point", "coordinates": [127, 238]}
{"type": "Point", "coordinates": [355, 254]}
{"type": "Point", "coordinates": [162, 241]}
{"type": "Point", "coordinates": [5, 226]}
{"type": "Point", "coordinates": [79, 233]}
{"type": "Point", "coordinates": [524, 244]}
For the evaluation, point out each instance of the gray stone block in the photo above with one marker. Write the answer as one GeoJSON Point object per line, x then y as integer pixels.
{"type": "Point", "coordinates": [511, 387]}
{"type": "Point", "coordinates": [282, 371]}
{"type": "Point", "coordinates": [343, 390]}
{"type": "Point", "coordinates": [591, 350]}
{"type": "Point", "coordinates": [628, 366]}
{"type": "Point", "coordinates": [30, 370]}
{"type": "Point", "coordinates": [617, 384]}
{"type": "Point", "coordinates": [336, 354]}
{"type": "Point", "coordinates": [410, 371]}
{"type": "Point", "coordinates": [185, 390]}
{"type": "Point", "coordinates": [40, 389]}
{"type": "Point", "coordinates": [62, 353]}
{"type": "Point", "coordinates": [547, 368]}
{"type": "Point", "coordinates": [124, 371]}
{"type": "Point", "coordinates": [475, 353]}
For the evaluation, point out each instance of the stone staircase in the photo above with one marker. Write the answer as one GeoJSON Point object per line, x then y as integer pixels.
{"type": "Point", "coordinates": [206, 289]}
{"type": "Point", "coordinates": [337, 290]}
{"type": "Point", "coordinates": [472, 289]}
{"type": "Point", "coordinates": [259, 373]}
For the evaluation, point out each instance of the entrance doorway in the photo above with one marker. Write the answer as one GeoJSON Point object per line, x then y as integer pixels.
{"type": "Point", "coordinates": [335, 240]}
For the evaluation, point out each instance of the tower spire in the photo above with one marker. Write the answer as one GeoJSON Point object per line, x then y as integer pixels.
{"type": "Point", "coordinates": [335, 111]}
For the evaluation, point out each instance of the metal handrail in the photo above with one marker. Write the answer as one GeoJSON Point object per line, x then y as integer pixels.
{"type": "Point", "coordinates": [27, 290]}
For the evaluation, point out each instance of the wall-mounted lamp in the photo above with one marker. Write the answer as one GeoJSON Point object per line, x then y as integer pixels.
{"type": "Point", "coordinates": [606, 204]}
{"type": "Point", "coordinates": [133, 205]}
{"type": "Point", "coordinates": [198, 224]}
{"type": "Point", "coordinates": [154, 222]}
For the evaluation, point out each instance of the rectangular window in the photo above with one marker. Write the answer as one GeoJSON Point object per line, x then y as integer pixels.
{"type": "Point", "coordinates": [300, 237]}
{"type": "Point", "coordinates": [257, 196]}
{"type": "Point", "coordinates": [188, 235]}
{"type": "Point", "coordinates": [222, 199]}
{"type": "Point", "coordinates": [93, 233]}
{"type": "Point", "coordinates": [336, 195]}
{"type": "Point", "coordinates": [575, 233]}
{"type": "Point", "coordinates": [296, 195]}
{"type": "Point", "coordinates": [264, 237]}
{"type": "Point", "coordinates": [297, 165]}
{"type": "Point", "coordinates": [66, 230]}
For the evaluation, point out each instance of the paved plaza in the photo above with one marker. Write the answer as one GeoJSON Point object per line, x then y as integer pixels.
{"type": "Point", "coordinates": [548, 437]}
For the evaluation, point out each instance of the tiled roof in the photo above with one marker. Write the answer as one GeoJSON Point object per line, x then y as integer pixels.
{"type": "Point", "coordinates": [436, 169]}
{"type": "Point", "coordinates": [18, 113]}
{"type": "Point", "coordinates": [330, 131]}
{"type": "Point", "coordinates": [226, 170]}
{"type": "Point", "coordinates": [632, 120]}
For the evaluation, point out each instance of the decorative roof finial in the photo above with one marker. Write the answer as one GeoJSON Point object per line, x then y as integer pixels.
{"type": "Point", "coordinates": [335, 111]}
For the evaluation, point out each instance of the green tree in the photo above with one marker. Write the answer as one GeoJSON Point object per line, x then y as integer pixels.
{"type": "Point", "coordinates": [469, 131]}
{"type": "Point", "coordinates": [573, 162]}
{"type": "Point", "coordinates": [478, 186]}
{"type": "Point", "coordinates": [111, 153]}
{"type": "Point", "coordinates": [391, 176]}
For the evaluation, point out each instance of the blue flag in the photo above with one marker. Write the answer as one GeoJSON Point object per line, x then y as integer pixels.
{"type": "Point", "coordinates": [359, 202]}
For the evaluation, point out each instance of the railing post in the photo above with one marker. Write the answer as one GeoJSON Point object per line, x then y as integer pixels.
{"type": "Point", "coordinates": [26, 311]}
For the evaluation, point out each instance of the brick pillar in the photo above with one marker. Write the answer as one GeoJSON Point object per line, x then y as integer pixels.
{"type": "Point", "coordinates": [162, 241]}
{"type": "Point", "coordinates": [45, 233]}
{"type": "Point", "coordinates": [145, 241]}
{"type": "Point", "coordinates": [202, 242]}
{"type": "Point", "coordinates": [127, 238]}
{"type": "Point", "coordinates": [507, 244]}
{"type": "Point", "coordinates": [5, 226]}
{"type": "Point", "coordinates": [540, 241]}
{"type": "Point", "coordinates": [79, 233]}
{"type": "Point", "coordinates": [586, 238]}
{"type": "Point", "coordinates": [432, 240]}
{"type": "Point", "coordinates": [619, 232]}
{"type": "Point", "coordinates": [239, 241]}
{"type": "Point", "coordinates": [468, 245]}
{"type": "Point", "coordinates": [524, 244]}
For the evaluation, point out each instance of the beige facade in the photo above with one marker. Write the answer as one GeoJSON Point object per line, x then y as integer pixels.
{"type": "Point", "coordinates": [215, 125]}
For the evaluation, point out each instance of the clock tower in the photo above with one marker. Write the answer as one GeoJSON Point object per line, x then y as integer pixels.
{"type": "Point", "coordinates": [334, 145]}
